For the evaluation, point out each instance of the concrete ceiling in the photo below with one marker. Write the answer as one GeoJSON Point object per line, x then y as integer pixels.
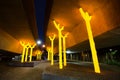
{"type": "Point", "coordinates": [17, 23]}
{"type": "Point", "coordinates": [106, 40]}
{"type": "Point", "coordinates": [105, 22]}
{"type": "Point", "coordinates": [15, 18]}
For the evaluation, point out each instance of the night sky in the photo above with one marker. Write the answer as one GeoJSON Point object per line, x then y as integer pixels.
{"type": "Point", "coordinates": [40, 14]}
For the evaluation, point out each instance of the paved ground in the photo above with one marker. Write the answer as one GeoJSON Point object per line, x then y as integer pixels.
{"type": "Point", "coordinates": [85, 71]}
{"type": "Point", "coordinates": [79, 70]}
{"type": "Point", "coordinates": [22, 73]}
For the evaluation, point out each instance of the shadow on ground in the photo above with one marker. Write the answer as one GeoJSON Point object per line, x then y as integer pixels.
{"type": "Point", "coordinates": [73, 71]}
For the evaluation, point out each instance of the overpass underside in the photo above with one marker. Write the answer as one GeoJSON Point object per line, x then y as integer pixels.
{"type": "Point", "coordinates": [18, 23]}
{"type": "Point", "coordinates": [105, 23]}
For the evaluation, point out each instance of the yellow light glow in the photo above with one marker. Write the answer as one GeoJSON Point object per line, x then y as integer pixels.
{"type": "Point", "coordinates": [26, 54]}
{"type": "Point", "coordinates": [38, 54]}
{"type": "Point", "coordinates": [60, 45]}
{"type": "Point", "coordinates": [87, 19]}
{"type": "Point", "coordinates": [31, 50]}
{"type": "Point", "coordinates": [23, 52]}
{"type": "Point", "coordinates": [49, 52]}
{"type": "Point", "coordinates": [26, 50]}
{"type": "Point", "coordinates": [52, 45]}
{"type": "Point", "coordinates": [64, 48]}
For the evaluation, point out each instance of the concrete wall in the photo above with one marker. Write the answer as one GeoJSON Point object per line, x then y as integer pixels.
{"type": "Point", "coordinates": [9, 43]}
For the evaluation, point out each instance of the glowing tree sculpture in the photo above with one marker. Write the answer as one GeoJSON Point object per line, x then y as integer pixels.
{"type": "Point", "coordinates": [38, 54]}
{"type": "Point", "coordinates": [52, 45]}
{"type": "Point", "coordinates": [24, 49]}
{"type": "Point", "coordinates": [26, 54]}
{"type": "Point", "coordinates": [31, 50]}
{"type": "Point", "coordinates": [87, 19]}
{"type": "Point", "coordinates": [60, 45]}
{"type": "Point", "coordinates": [49, 54]}
{"type": "Point", "coordinates": [23, 52]}
{"type": "Point", "coordinates": [64, 48]}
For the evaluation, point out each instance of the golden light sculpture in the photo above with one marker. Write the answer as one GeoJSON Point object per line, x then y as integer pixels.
{"type": "Point", "coordinates": [26, 54]}
{"type": "Point", "coordinates": [52, 46]}
{"type": "Point", "coordinates": [23, 52]}
{"type": "Point", "coordinates": [49, 54]}
{"type": "Point", "coordinates": [31, 50]}
{"type": "Point", "coordinates": [60, 45]}
{"type": "Point", "coordinates": [64, 49]}
{"type": "Point", "coordinates": [38, 54]}
{"type": "Point", "coordinates": [87, 19]}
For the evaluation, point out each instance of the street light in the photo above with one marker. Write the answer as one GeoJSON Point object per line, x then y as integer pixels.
{"type": "Point", "coordinates": [39, 42]}
{"type": "Point", "coordinates": [43, 45]}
